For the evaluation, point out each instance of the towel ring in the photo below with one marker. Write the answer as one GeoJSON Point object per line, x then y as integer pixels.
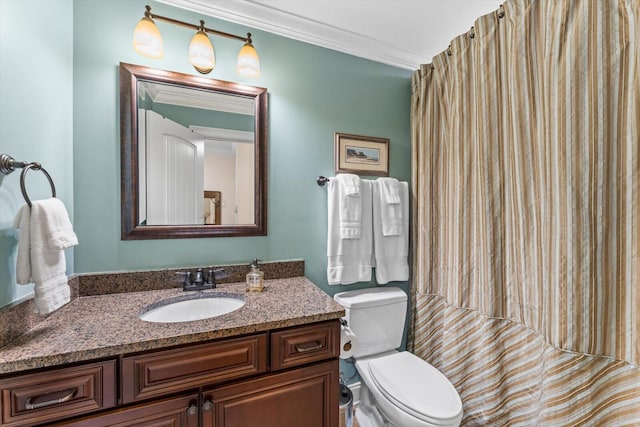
{"type": "Point", "coordinates": [38, 167]}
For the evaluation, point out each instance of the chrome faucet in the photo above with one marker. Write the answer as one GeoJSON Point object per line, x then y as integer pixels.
{"type": "Point", "coordinates": [199, 283]}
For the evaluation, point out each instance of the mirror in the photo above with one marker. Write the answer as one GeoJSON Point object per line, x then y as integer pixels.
{"type": "Point", "coordinates": [193, 156]}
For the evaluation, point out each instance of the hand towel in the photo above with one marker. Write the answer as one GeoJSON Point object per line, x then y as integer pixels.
{"type": "Point", "coordinates": [390, 206]}
{"type": "Point", "coordinates": [22, 222]}
{"type": "Point", "coordinates": [391, 251]}
{"type": "Point", "coordinates": [349, 260]}
{"type": "Point", "coordinates": [58, 229]}
{"type": "Point", "coordinates": [44, 230]}
{"type": "Point", "coordinates": [390, 190]}
{"type": "Point", "coordinates": [350, 205]}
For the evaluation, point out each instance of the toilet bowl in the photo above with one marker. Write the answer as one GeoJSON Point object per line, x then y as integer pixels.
{"type": "Point", "coordinates": [398, 388]}
{"type": "Point", "coordinates": [409, 392]}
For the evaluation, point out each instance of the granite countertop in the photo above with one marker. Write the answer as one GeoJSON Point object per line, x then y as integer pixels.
{"type": "Point", "coordinates": [101, 326]}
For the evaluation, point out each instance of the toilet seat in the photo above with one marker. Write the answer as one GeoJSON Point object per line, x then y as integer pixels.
{"type": "Point", "coordinates": [416, 387]}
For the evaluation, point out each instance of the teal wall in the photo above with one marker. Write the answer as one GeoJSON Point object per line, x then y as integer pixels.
{"type": "Point", "coordinates": [36, 115]}
{"type": "Point", "coordinates": [313, 92]}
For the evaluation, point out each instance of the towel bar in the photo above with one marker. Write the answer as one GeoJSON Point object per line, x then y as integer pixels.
{"type": "Point", "coordinates": [8, 164]}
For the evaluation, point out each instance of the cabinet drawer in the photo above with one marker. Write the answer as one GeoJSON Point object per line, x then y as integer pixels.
{"type": "Point", "coordinates": [59, 393]}
{"type": "Point", "coordinates": [163, 372]}
{"type": "Point", "coordinates": [304, 344]}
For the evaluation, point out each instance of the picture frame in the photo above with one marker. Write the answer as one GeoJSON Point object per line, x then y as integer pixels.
{"type": "Point", "coordinates": [361, 155]}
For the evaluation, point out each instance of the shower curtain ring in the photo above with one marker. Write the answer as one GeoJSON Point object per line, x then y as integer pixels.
{"type": "Point", "coordinates": [500, 12]}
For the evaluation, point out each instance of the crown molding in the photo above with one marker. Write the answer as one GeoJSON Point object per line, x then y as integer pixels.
{"type": "Point", "coordinates": [272, 20]}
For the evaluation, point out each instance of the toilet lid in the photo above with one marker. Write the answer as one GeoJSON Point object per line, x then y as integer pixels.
{"type": "Point", "coordinates": [416, 387]}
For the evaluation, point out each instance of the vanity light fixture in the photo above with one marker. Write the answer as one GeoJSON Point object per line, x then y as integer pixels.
{"type": "Point", "coordinates": [148, 42]}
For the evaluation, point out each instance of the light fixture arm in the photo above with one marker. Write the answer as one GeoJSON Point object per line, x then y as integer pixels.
{"type": "Point", "coordinates": [151, 15]}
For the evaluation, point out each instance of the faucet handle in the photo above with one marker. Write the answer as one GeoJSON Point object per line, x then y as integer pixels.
{"type": "Point", "coordinates": [215, 275]}
{"type": "Point", "coordinates": [183, 277]}
{"type": "Point", "coordinates": [220, 274]}
{"type": "Point", "coordinates": [199, 277]}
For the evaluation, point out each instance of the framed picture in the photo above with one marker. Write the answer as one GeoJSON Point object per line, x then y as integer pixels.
{"type": "Point", "coordinates": [362, 155]}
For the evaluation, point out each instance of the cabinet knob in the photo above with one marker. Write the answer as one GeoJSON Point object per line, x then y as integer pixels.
{"type": "Point", "coordinates": [192, 410]}
{"type": "Point", "coordinates": [207, 406]}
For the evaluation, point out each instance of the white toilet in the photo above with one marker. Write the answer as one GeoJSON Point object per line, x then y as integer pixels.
{"type": "Point", "coordinates": [398, 388]}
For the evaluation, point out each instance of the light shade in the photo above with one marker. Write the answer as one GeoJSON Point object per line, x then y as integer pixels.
{"type": "Point", "coordinates": [147, 40]}
{"type": "Point", "coordinates": [201, 54]}
{"type": "Point", "coordinates": [248, 61]}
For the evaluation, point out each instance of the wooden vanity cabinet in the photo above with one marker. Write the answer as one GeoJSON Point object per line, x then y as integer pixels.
{"type": "Point", "coordinates": [281, 378]}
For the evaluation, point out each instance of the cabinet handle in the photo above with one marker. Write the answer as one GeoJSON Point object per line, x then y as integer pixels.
{"type": "Point", "coordinates": [50, 399]}
{"type": "Point", "coordinates": [207, 406]}
{"type": "Point", "coordinates": [192, 410]}
{"type": "Point", "coordinates": [310, 346]}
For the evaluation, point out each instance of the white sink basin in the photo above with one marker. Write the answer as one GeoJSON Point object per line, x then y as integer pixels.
{"type": "Point", "coordinates": [186, 308]}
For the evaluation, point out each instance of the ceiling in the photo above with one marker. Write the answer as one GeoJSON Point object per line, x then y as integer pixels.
{"type": "Point", "coordinates": [403, 33]}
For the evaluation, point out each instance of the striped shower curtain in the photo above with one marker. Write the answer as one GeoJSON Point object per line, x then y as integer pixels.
{"type": "Point", "coordinates": [526, 214]}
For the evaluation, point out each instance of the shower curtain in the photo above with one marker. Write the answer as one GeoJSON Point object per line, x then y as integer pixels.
{"type": "Point", "coordinates": [526, 214]}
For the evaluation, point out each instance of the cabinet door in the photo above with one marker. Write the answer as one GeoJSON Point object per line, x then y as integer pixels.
{"type": "Point", "coordinates": [176, 412]}
{"type": "Point", "coordinates": [301, 397]}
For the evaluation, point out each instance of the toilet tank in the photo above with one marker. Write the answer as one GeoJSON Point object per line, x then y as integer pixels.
{"type": "Point", "coordinates": [376, 316]}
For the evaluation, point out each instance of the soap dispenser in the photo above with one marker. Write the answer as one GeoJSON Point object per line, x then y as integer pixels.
{"type": "Point", "coordinates": [255, 278]}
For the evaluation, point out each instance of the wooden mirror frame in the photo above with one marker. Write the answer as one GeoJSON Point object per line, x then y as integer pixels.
{"type": "Point", "coordinates": [130, 224]}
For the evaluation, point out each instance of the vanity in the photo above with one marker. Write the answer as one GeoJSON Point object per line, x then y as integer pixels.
{"type": "Point", "coordinates": [273, 362]}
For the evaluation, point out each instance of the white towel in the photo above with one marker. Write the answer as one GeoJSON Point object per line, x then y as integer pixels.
{"type": "Point", "coordinates": [390, 206]}
{"type": "Point", "coordinates": [44, 231]}
{"type": "Point", "coordinates": [390, 190]}
{"type": "Point", "coordinates": [391, 251]}
{"type": "Point", "coordinates": [57, 226]}
{"type": "Point", "coordinates": [350, 205]}
{"type": "Point", "coordinates": [22, 222]}
{"type": "Point", "coordinates": [349, 260]}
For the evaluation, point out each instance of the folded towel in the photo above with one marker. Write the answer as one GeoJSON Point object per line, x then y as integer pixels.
{"type": "Point", "coordinates": [391, 251]}
{"type": "Point", "coordinates": [389, 190]}
{"type": "Point", "coordinates": [350, 205]}
{"type": "Point", "coordinates": [57, 226]}
{"type": "Point", "coordinates": [390, 207]}
{"type": "Point", "coordinates": [350, 184]}
{"type": "Point", "coordinates": [349, 260]}
{"type": "Point", "coordinates": [44, 231]}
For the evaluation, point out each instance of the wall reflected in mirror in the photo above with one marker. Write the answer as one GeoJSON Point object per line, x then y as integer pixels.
{"type": "Point", "coordinates": [193, 142]}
